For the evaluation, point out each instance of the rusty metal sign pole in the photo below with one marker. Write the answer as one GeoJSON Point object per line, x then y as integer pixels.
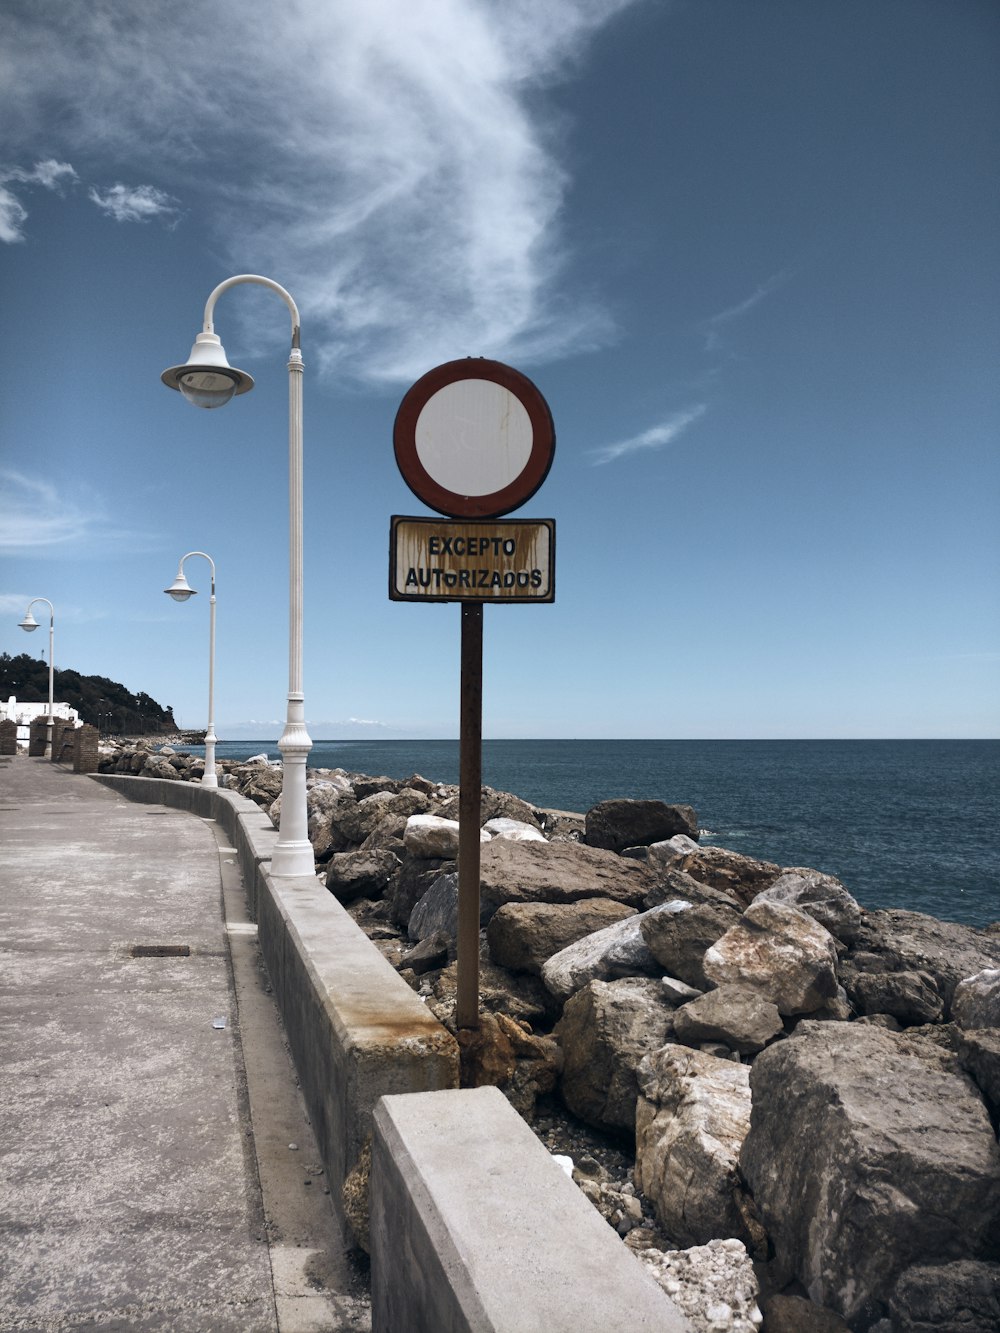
{"type": "Point", "coordinates": [469, 810]}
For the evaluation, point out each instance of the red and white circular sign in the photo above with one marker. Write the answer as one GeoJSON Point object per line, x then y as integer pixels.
{"type": "Point", "coordinates": [474, 438]}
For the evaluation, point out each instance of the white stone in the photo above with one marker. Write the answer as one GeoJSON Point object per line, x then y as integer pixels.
{"type": "Point", "coordinates": [514, 829]}
{"type": "Point", "coordinates": [690, 1122]}
{"type": "Point", "coordinates": [714, 1285]}
{"type": "Point", "coordinates": [976, 1002]}
{"type": "Point", "coordinates": [428, 836]}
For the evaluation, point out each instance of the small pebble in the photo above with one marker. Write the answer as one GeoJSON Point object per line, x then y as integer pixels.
{"type": "Point", "coordinates": [294, 1147]}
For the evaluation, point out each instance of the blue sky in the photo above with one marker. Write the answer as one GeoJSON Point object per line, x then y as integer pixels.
{"type": "Point", "coordinates": [749, 250]}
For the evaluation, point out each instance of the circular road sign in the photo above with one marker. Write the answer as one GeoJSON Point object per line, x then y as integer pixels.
{"type": "Point", "coordinates": [474, 438]}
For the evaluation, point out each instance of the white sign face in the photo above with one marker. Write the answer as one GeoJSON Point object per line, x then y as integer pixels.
{"type": "Point", "coordinates": [453, 426]}
{"type": "Point", "coordinates": [473, 438]}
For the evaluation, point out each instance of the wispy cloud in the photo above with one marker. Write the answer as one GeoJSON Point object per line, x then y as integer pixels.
{"type": "Point", "coordinates": [385, 161]}
{"type": "Point", "coordinates": [124, 203]}
{"type": "Point", "coordinates": [713, 327]}
{"type": "Point", "coordinates": [36, 517]}
{"type": "Point", "coordinates": [134, 203]}
{"type": "Point", "coordinates": [654, 438]}
{"type": "Point", "coordinates": [50, 174]}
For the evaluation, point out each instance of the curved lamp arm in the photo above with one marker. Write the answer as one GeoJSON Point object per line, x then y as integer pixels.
{"type": "Point", "coordinates": [261, 282]}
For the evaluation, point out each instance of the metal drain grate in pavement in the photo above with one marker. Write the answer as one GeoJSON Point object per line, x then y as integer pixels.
{"type": "Point", "coordinates": [160, 950]}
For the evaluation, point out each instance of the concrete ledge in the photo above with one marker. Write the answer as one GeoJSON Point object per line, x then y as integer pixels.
{"type": "Point", "coordinates": [475, 1228]}
{"type": "Point", "coordinates": [356, 1030]}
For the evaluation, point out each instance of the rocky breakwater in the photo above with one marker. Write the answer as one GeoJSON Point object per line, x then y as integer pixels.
{"type": "Point", "coordinates": [785, 1104]}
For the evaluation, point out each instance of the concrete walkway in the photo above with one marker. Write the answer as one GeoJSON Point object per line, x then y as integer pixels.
{"type": "Point", "coordinates": [156, 1168]}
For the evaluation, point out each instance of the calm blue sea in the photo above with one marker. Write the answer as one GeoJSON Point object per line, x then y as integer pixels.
{"type": "Point", "coordinates": [912, 824]}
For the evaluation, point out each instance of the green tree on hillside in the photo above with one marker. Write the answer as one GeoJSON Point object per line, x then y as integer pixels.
{"type": "Point", "coordinates": [104, 703]}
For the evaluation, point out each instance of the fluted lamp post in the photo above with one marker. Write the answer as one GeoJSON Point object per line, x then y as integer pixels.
{"type": "Point", "coordinates": [29, 623]}
{"type": "Point", "coordinates": [208, 380]}
{"type": "Point", "coordinates": [180, 590]}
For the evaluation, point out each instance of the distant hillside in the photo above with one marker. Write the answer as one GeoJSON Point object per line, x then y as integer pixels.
{"type": "Point", "coordinates": [103, 703]}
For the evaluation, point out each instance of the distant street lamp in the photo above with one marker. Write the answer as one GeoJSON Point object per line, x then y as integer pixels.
{"type": "Point", "coordinates": [180, 590]}
{"type": "Point", "coordinates": [208, 380]}
{"type": "Point", "coordinates": [29, 623]}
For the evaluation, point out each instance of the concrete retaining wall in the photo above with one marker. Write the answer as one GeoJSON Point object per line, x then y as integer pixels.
{"type": "Point", "coordinates": [356, 1029]}
{"type": "Point", "coordinates": [475, 1229]}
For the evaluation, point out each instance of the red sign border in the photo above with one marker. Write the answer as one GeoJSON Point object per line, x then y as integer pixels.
{"type": "Point", "coordinates": [450, 503]}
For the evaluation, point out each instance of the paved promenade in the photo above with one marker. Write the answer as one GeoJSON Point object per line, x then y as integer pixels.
{"type": "Point", "coordinates": [148, 1106]}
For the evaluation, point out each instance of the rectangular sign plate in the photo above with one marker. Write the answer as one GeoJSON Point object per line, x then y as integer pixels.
{"type": "Point", "coordinates": [472, 560]}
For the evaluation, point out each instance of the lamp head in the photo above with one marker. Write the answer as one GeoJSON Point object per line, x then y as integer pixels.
{"type": "Point", "coordinates": [180, 590]}
{"type": "Point", "coordinates": [207, 379]}
{"type": "Point", "coordinates": [28, 623]}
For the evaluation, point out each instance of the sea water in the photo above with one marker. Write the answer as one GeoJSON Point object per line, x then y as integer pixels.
{"type": "Point", "coordinates": [910, 824]}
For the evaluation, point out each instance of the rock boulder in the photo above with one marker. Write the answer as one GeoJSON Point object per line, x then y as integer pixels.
{"type": "Point", "coordinates": [523, 936]}
{"type": "Point", "coordinates": [869, 1152]}
{"type": "Point", "coordinates": [691, 1119]}
{"type": "Point", "coordinates": [790, 958]}
{"type": "Point", "coordinates": [615, 825]}
{"type": "Point", "coordinates": [605, 1030]}
{"type": "Point", "coordinates": [556, 872]}
{"type": "Point", "coordinates": [679, 939]}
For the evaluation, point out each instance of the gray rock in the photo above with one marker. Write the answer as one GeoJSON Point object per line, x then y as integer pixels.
{"type": "Point", "coordinates": [909, 997]}
{"type": "Point", "coordinates": [790, 958]}
{"type": "Point", "coordinates": [678, 992]}
{"type": "Point", "coordinates": [822, 896]}
{"type": "Point", "coordinates": [960, 1297]}
{"type": "Point", "coordinates": [352, 875]}
{"type": "Point", "coordinates": [979, 1055]}
{"type": "Point", "coordinates": [679, 939]}
{"type": "Point", "coordinates": [868, 1153]}
{"type": "Point", "coordinates": [691, 1119]}
{"type": "Point", "coordinates": [561, 825]}
{"type": "Point", "coordinates": [432, 952]}
{"type": "Point", "coordinates": [913, 942]}
{"type": "Point", "coordinates": [556, 872]}
{"type": "Point", "coordinates": [670, 884]}
{"type": "Point", "coordinates": [794, 1314]}
{"type": "Point", "coordinates": [523, 936]}
{"type": "Point", "coordinates": [495, 805]}
{"type": "Point", "coordinates": [437, 911]}
{"type": "Point", "coordinates": [411, 883]}
{"type": "Point", "coordinates": [605, 1030]}
{"type": "Point", "coordinates": [976, 1002]}
{"type": "Point", "coordinates": [616, 951]}
{"type": "Point", "coordinates": [387, 836]}
{"type": "Point", "coordinates": [614, 825]}
{"type": "Point", "coordinates": [740, 877]}
{"type": "Point", "coordinates": [738, 1016]}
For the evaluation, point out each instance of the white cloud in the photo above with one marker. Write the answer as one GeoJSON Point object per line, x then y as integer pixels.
{"type": "Point", "coordinates": [713, 326]}
{"type": "Point", "coordinates": [35, 516]}
{"type": "Point", "coordinates": [50, 174]}
{"type": "Point", "coordinates": [654, 438]}
{"type": "Point", "coordinates": [385, 161]}
{"type": "Point", "coordinates": [134, 203]}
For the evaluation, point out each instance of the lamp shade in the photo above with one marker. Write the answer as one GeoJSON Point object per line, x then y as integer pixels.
{"type": "Point", "coordinates": [207, 379]}
{"type": "Point", "coordinates": [180, 590]}
{"type": "Point", "coordinates": [29, 622]}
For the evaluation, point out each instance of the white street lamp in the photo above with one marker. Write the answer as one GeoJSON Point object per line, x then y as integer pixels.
{"type": "Point", "coordinates": [29, 623]}
{"type": "Point", "coordinates": [180, 590]}
{"type": "Point", "coordinates": [208, 380]}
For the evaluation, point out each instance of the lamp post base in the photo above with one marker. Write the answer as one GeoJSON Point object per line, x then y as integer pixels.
{"type": "Point", "coordinates": [293, 852]}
